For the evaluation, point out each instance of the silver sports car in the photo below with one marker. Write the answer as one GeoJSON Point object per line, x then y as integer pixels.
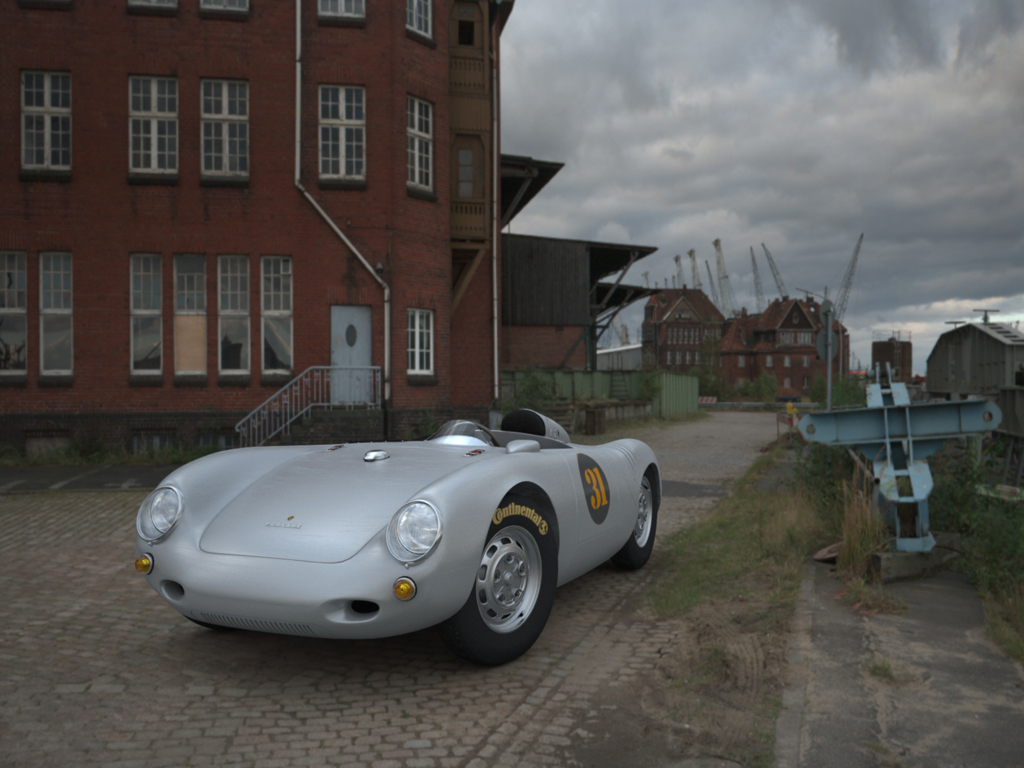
{"type": "Point", "coordinates": [470, 530]}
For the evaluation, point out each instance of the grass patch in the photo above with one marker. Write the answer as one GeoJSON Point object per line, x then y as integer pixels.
{"type": "Point", "coordinates": [752, 540]}
{"type": "Point", "coordinates": [881, 668]}
{"type": "Point", "coordinates": [1004, 615]}
{"type": "Point", "coordinates": [869, 599]}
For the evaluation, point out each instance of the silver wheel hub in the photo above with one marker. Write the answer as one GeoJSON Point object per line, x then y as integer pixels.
{"type": "Point", "coordinates": [508, 580]}
{"type": "Point", "coordinates": [642, 528]}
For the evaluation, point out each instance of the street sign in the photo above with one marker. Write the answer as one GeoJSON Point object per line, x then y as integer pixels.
{"type": "Point", "coordinates": [822, 340]}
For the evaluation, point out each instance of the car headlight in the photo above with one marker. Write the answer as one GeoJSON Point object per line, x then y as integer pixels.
{"type": "Point", "coordinates": [158, 513]}
{"type": "Point", "coordinates": [414, 531]}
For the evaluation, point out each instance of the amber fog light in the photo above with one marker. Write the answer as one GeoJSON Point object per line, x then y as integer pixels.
{"type": "Point", "coordinates": [144, 564]}
{"type": "Point", "coordinates": [405, 589]}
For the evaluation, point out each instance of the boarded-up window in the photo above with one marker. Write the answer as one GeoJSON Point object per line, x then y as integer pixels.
{"type": "Point", "coordinates": [189, 314]}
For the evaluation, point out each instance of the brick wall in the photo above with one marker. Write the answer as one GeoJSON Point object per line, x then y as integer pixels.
{"type": "Point", "coordinates": [542, 346]}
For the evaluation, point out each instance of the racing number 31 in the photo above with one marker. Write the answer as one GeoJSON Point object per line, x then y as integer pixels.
{"type": "Point", "coordinates": [595, 488]}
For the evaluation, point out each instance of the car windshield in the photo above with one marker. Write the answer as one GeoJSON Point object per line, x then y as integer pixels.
{"type": "Point", "coordinates": [463, 432]}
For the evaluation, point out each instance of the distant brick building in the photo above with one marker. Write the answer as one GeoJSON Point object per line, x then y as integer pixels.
{"type": "Point", "coordinates": [898, 352]}
{"type": "Point", "coordinates": [780, 341]}
{"type": "Point", "coordinates": [678, 324]}
{"type": "Point", "coordinates": [184, 230]}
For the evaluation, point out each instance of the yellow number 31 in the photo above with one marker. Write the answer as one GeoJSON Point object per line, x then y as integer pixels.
{"type": "Point", "coordinates": [599, 498]}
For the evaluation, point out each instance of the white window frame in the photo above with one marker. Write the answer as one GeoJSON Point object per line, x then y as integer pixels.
{"type": "Point", "coordinates": [807, 361]}
{"type": "Point", "coordinates": [238, 307]}
{"type": "Point", "coordinates": [140, 311]}
{"type": "Point", "coordinates": [341, 9]}
{"type": "Point", "coordinates": [417, 332]}
{"type": "Point", "coordinates": [787, 383]}
{"type": "Point", "coordinates": [350, 125]}
{"type": "Point", "coordinates": [51, 115]}
{"type": "Point", "coordinates": [14, 300]}
{"type": "Point", "coordinates": [276, 303]}
{"type": "Point", "coordinates": [153, 3]}
{"type": "Point", "coordinates": [768, 361]}
{"type": "Point", "coordinates": [687, 357]}
{"type": "Point", "coordinates": [196, 290]}
{"type": "Point", "coordinates": [742, 362]}
{"type": "Point", "coordinates": [153, 120]}
{"type": "Point", "coordinates": [65, 297]}
{"type": "Point", "coordinates": [420, 144]}
{"type": "Point", "coordinates": [229, 6]}
{"type": "Point", "coordinates": [217, 100]}
{"type": "Point", "coordinates": [787, 361]}
{"type": "Point", "coordinates": [419, 17]}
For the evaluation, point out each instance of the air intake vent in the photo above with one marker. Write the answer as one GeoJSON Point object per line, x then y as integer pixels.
{"type": "Point", "coordinates": [258, 625]}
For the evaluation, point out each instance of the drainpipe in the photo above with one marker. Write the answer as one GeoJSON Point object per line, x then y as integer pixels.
{"type": "Point", "coordinates": [323, 214]}
{"type": "Point", "coordinates": [494, 203]}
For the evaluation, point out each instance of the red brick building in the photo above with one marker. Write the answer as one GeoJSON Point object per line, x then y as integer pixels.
{"type": "Point", "coordinates": [678, 324]}
{"type": "Point", "coordinates": [782, 342]}
{"type": "Point", "coordinates": [196, 209]}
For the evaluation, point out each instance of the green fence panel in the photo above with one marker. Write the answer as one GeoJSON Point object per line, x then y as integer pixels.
{"type": "Point", "coordinates": [676, 396]}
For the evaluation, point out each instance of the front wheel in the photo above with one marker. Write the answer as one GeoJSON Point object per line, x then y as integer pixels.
{"type": "Point", "coordinates": [637, 550]}
{"type": "Point", "coordinates": [514, 587]}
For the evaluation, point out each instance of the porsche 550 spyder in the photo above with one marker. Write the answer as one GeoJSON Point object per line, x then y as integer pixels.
{"type": "Point", "coordinates": [470, 530]}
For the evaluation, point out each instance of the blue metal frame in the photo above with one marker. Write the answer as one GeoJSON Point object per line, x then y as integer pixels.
{"type": "Point", "coordinates": [897, 437]}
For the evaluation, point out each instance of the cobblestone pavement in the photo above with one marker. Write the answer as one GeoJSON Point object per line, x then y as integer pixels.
{"type": "Point", "coordinates": [95, 669]}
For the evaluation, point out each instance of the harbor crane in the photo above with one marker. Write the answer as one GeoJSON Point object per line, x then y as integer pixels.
{"type": "Point", "coordinates": [694, 270]}
{"type": "Point", "coordinates": [783, 293]}
{"type": "Point", "coordinates": [724, 289]}
{"type": "Point", "coordinates": [714, 293]}
{"type": "Point", "coordinates": [762, 304]}
{"type": "Point", "coordinates": [679, 271]}
{"type": "Point", "coordinates": [844, 289]}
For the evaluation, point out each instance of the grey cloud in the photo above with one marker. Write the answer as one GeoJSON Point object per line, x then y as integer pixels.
{"type": "Point", "coordinates": [988, 20]}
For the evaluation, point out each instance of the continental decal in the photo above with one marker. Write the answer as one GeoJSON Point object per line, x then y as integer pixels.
{"type": "Point", "coordinates": [518, 509]}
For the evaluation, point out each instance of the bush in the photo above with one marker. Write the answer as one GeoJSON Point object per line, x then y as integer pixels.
{"type": "Point", "coordinates": [846, 392]}
{"type": "Point", "coordinates": [534, 390]}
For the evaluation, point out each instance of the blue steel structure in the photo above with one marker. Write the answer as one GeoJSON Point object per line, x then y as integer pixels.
{"type": "Point", "coordinates": [897, 437]}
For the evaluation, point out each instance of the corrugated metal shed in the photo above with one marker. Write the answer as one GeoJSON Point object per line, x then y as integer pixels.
{"type": "Point", "coordinates": [985, 359]}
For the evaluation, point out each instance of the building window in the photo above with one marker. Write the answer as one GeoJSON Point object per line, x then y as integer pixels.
{"type": "Point", "coordinates": [190, 314]}
{"type": "Point", "coordinates": [233, 319]}
{"type": "Point", "coordinates": [46, 121]}
{"type": "Point", "coordinates": [146, 314]}
{"type": "Point", "coordinates": [421, 341]}
{"type": "Point", "coordinates": [668, 358]}
{"type": "Point", "coordinates": [225, 128]}
{"type": "Point", "coordinates": [469, 177]}
{"type": "Point", "coordinates": [807, 361]}
{"type": "Point", "coordinates": [153, 3]}
{"type": "Point", "coordinates": [805, 382]}
{"type": "Point", "coordinates": [803, 338]}
{"type": "Point", "coordinates": [786, 361]}
{"type": "Point", "coordinates": [786, 338]}
{"type": "Point", "coordinates": [153, 124]}
{"type": "Point", "coordinates": [421, 146]}
{"type": "Point", "coordinates": [687, 357]}
{"type": "Point", "coordinates": [417, 16]}
{"type": "Point", "coordinates": [342, 132]}
{"type": "Point", "coordinates": [741, 361]}
{"type": "Point", "coordinates": [768, 361]}
{"type": "Point", "coordinates": [55, 337]}
{"type": "Point", "coordinates": [277, 314]}
{"type": "Point", "coordinates": [787, 383]}
{"type": "Point", "coordinates": [342, 9]}
{"type": "Point", "coordinates": [241, 6]}
{"type": "Point", "coordinates": [679, 357]}
{"type": "Point", "coordinates": [13, 324]}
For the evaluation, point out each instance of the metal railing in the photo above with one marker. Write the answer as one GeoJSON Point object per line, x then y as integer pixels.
{"type": "Point", "coordinates": [319, 386]}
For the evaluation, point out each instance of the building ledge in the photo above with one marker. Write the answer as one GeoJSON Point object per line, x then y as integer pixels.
{"type": "Point", "coordinates": [144, 380]}
{"type": "Point", "coordinates": [44, 174]}
{"type": "Point", "coordinates": [422, 380]}
{"type": "Point", "coordinates": [224, 181]}
{"type": "Point", "coordinates": [337, 21]}
{"type": "Point", "coordinates": [420, 38]}
{"type": "Point", "coordinates": [148, 9]}
{"type": "Point", "coordinates": [233, 380]}
{"type": "Point", "coordinates": [332, 183]}
{"type": "Point", "coordinates": [420, 193]}
{"type": "Point", "coordinates": [14, 380]}
{"type": "Point", "coordinates": [190, 379]}
{"type": "Point", "coordinates": [153, 179]}
{"type": "Point", "coordinates": [223, 14]}
{"type": "Point", "coordinates": [46, 5]}
{"type": "Point", "coordinates": [275, 379]}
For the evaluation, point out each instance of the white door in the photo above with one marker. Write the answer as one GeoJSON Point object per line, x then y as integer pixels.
{"type": "Point", "coordinates": [351, 347]}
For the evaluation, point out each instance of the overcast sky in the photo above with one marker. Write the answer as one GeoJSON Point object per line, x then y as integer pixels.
{"type": "Point", "coordinates": [796, 123]}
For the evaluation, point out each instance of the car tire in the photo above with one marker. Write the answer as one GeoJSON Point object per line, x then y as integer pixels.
{"type": "Point", "coordinates": [637, 550]}
{"type": "Point", "coordinates": [514, 586]}
{"type": "Point", "coordinates": [205, 625]}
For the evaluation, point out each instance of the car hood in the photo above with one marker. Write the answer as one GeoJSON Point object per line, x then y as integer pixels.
{"type": "Point", "coordinates": [323, 507]}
